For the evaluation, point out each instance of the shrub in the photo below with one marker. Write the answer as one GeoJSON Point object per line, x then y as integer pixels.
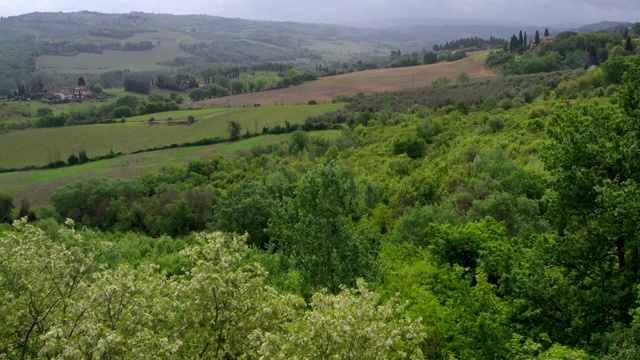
{"type": "Point", "coordinates": [496, 124]}
{"type": "Point", "coordinates": [414, 148]}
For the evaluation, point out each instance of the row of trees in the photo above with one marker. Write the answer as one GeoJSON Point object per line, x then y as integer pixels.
{"type": "Point", "coordinates": [568, 50]}
{"type": "Point", "coordinates": [470, 43]}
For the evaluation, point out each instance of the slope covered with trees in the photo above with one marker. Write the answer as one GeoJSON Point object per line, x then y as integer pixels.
{"type": "Point", "coordinates": [493, 228]}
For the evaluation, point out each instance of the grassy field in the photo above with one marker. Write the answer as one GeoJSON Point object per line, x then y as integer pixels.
{"type": "Point", "coordinates": [482, 57]}
{"type": "Point", "coordinates": [117, 59]}
{"type": "Point", "coordinates": [341, 50]}
{"type": "Point", "coordinates": [38, 185]}
{"type": "Point", "coordinates": [367, 82]}
{"type": "Point", "coordinates": [40, 146]}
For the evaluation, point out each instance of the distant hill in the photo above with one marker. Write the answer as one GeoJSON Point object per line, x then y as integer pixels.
{"type": "Point", "coordinates": [401, 23]}
{"type": "Point", "coordinates": [54, 49]}
{"type": "Point", "coordinates": [601, 26]}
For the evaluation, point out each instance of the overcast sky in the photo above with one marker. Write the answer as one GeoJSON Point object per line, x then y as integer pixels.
{"type": "Point", "coordinates": [537, 12]}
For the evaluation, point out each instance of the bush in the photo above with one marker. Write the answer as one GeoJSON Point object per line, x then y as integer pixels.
{"type": "Point", "coordinates": [496, 124]}
{"type": "Point", "coordinates": [443, 80]}
{"type": "Point", "coordinates": [506, 104]}
{"type": "Point", "coordinates": [414, 148]}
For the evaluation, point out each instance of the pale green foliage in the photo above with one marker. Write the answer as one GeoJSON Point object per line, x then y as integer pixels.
{"type": "Point", "coordinates": [224, 299]}
{"type": "Point", "coordinates": [122, 313]}
{"type": "Point", "coordinates": [57, 302]}
{"type": "Point", "coordinates": [39, 280]}
{"type": "Point", "coordinates": [349, 325]}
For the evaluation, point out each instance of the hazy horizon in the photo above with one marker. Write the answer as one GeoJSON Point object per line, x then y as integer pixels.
{"type": "Point", "coordinates": [543, 12]}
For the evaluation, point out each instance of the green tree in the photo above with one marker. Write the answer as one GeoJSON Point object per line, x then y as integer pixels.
{"type": "Point", "coordinates": [39, 280]}
{"type": "Point", "coordinates": [628, 45]}
{"type": "Point", "coordinates": [224, 298]}
{"type": "Point", "coordinates": [246, 208]}
{"type": "Point", "coordinates": [234, 129]}
{"type": "Point", "coordinates": [463, 77]}
{"type": "Point", "coordinates": [122, 111]}
{"type": "Point", "coordinates": [314, 230]}
{"type": "Point", "coordinates": [237, 87]}
{"type": "Point", "coordinates": [430, 57]}
{"type": "Point", "coordinates": [597, 203]}
{"type": "Point", "coordinates": [197, 94]}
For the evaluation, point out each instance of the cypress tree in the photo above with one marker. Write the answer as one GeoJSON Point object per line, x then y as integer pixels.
{"type": "Point", "coordinates": [513, 46]}
{"type": "Point", "coordinates": [525, 39]}
{"type": "Point", "coordinates": [520, 39]}
{"type": "Point", "coordinates": [537, 38]}
{"type": "Point", "coordinates": [546, 32]}
{"type": "Point", "coordinates": [628, 45]}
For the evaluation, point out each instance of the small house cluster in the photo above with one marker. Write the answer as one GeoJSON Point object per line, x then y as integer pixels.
{"type": "Point", "coordinates": [78, 93]}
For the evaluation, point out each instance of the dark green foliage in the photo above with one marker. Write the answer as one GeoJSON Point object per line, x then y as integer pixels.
{"type": "Point", "coordinates": [470, 43]}
{"type": "Point", "coordinates": [314, 231]}
{"type": "Point", "coordinates": [437, 96]}
{"type": "Point", "coordinates": [299, 141]}
{"type": "Point", "coordinates": [496, 124]}
{"type": "Point", "coordinates": [613, 69]}
{"type": "Point", "coordinates": [137, 84]}
{"type": "Point", "coordinates": [462, 107]}
{"type": "Point", "coordinates": [569, 50]}
{"type": "Point", "coordinates": [122, 111]}
{"type": "Point", "coordinates": [234, 129]}
{"type": "Point", "coordinates": [6, 208]}
{"type": "Point", "coordinates": [247, 207]}
{"type": "Point", "coordinates": [88, 200]}
{"type": "Point", "coordinates": [414, 148]}
{"type": "Point", "coordinates": [595, 206]}
{"type": "Point", "coordinates": [430, 57]}
{"type": "Point", "coordinates": [628, 45]}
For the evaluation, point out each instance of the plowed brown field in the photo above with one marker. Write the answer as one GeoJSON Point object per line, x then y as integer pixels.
{"type": "Point", "coordinates": [367, 82]}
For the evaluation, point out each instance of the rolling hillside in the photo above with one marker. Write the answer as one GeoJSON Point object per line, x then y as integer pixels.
{"type": "Point", "coordinates": [41, 146]}
{"type": "Point", "coordinates": [366, 82]}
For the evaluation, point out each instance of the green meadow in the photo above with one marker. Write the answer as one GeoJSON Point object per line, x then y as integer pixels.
{"type": "Point", "coordinates": [38, 185]}
{"type": "Point", "coordinates": [41, 146]}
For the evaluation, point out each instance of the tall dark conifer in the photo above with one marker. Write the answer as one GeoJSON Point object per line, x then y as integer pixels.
{"type": "Point", "coordinates": [537, 38]}
{"type": "Point", "coordinates": [546, 32]}
{"type": "Point", "coordinates": [521, 39]}
{"type": "Point", "coordinates": [525, 39]}
{"type": "Point", "coordinates": [513, 45]}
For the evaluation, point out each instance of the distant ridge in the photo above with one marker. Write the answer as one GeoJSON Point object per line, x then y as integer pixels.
{"type": "Point", "coordinates": [600, 26]}
{"type": "Point", "coordinates": [400, 23]}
